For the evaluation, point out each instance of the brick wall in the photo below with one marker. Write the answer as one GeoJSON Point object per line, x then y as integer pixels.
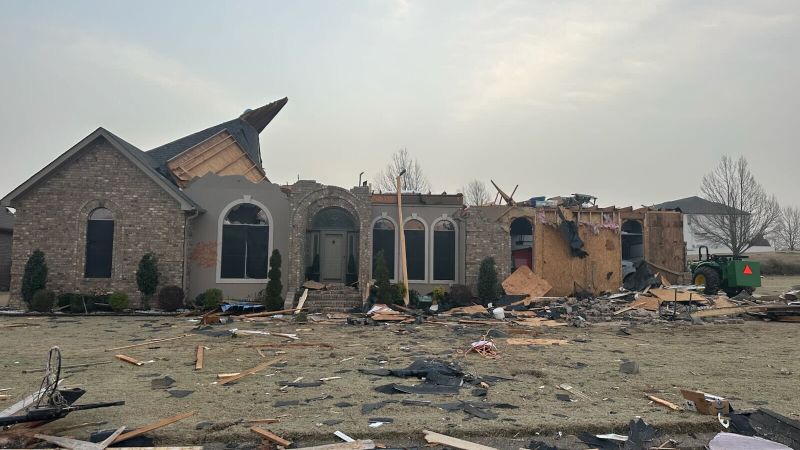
{"type": "Point", "coordinates": [52, 217]}
{"type": "Point", "coordinates": [485, 237]}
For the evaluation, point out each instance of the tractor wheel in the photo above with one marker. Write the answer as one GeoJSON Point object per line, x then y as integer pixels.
{"type": "Point", "coordinates": [707, 277]}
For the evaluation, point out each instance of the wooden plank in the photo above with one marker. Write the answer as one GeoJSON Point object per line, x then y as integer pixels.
{"type": "Point", "coordinates": [436, 438]}
{"type": "Point", "coordinates": [255, 369]}
{"type": "Point", "coordinates": [270, 313]}
{"type": "Point", "coordinates": [663, 402]}
{"type": "Point", "coordinates": [262, 420]}
{"type": "Point", "coordinates": [199, 358]}
{"type": "Point", "coordinates": [272, 437]}
{"type": "Point", "coordinates": [153, 426]}
{"type": "Point", "coordinates": [302, 301]}
{"type": "Point", "coordinates": [366, 444]}
{"type": "Point", "coordinates": [536, 341]}
{"type": "Point", "coordinates": [150, 342]}
{"type": "Point", "coordinates": [728, 311]}
{"type": "Point", "coordinates": [128, 359]}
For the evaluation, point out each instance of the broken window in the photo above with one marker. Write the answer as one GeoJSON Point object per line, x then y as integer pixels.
{"type": "Point", "coordinates": [632, 241]}
{"type": "Point", "coordinates": [99, 244]}
{"type": "Point", "coordinates": [444, 251]}
{"type": "Point", "coordinates": [383, 239]}
{"type": "Point", "coordinates": [245, 242]}
{"type": "Point", "coordinates": [521, 243]}
{"type": "Point", "coordinates": [414, 232]}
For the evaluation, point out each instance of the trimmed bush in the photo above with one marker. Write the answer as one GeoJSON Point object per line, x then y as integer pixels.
{"type": "Point", "coordinates": [147, 277]}
{"type": "Point", "coordinates": [460, 295]}
{"type": "Point", "coordinates": [488, 284]}
{"type": "Point", "coordinates": [212, 298]}
{"type": "Point", "coordinates": [398, 292]}
{"type": "Point", "coordinates": [34, 278]}
{"type": "Point", "coordinates": [118, 301]}
{"type": "Point", "coordinates": [383, 289]}
{"type": "Point", "coordinates": [170, 298]}
{"type": "Point", "coordinates": [67, 298]}
{"type": "Point", "coordinates": [272, 294]}
{"type": "Point", "coordinates": [43, 300]}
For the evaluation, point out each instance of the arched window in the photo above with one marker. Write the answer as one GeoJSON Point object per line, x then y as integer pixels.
{"type": "Point", "coordinates": [521, 243]}
{"type": "Point", "coordinates": [99, 243]}
{"type": "Point", "coordinates": [383, 240]}
{"type": "Point", "coordinates": [245, 243]}
{"type": "Point", "coordinates": [414, 231]}
{"type": "Point", "coordinates": [444, 251]}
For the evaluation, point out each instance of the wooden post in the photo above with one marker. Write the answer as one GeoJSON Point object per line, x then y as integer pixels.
{"type": "Point", "coordinates": [402, 238]}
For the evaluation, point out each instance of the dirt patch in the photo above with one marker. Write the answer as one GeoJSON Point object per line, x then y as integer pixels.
{"type": "Point", "coordinates": [753, 364]}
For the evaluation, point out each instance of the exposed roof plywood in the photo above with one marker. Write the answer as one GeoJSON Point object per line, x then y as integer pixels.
{"type": "Point", "coordinates": [220, 154]}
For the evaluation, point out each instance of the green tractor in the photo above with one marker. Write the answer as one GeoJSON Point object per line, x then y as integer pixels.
{"type": "Point", "coordinates": [731, 274]}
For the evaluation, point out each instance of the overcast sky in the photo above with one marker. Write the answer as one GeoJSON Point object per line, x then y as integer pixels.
{"type": "Point", "coordinates": [631, 101]}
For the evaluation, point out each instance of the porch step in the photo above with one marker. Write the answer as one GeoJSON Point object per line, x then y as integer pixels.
{"type": "Point", "coordinates": [337, 298]}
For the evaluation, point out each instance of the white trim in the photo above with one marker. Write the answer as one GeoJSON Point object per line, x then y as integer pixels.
{"type": "Point", "coordinates": [445, 218]}
{"type": "Point", "coordinates": [270, 223]}
{"type": "Point", "coordinates": [426, 230]}
{"type": "Point", "coordinates": [385, 215]}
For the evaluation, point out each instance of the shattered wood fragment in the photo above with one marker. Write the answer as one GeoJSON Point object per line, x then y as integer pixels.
{"type": "Point", "coordinates": [524, 282]}
{"type": "Point", "coordinates": [271, 436]}
{"type": "Point", "coordinates": [199, 357]}
{"type": "Point", "coordinates": [227, 375]}
{"type": "Point", "coordinates": [262, 421]}
{"type": "Point", "coordinates": [671, 295]}
{"type": "Point", "coordinates": [271, 313]}
{"type": "Point", "coordinates": [728, 311]}
{"type": "Point", "coordinates": [442, 439]}
{"type": "Point", "coordinates": [302, 301]}
{"type": "Point", "coordinates": [534, 341]}
{"type": "Point", "coordinates": [663, 402]}
{"type": "Point", "coordinates": [150, 342]}
{"type": "Point", "coordinates": [129, 360]}
{"type": "Point", "coordinates": [397, 317]}
{"type": "Point", "coordinates": [468, 310]}
{"type": "Point", "coordinates": [153, 426]}
{"type": "Point", "coordinates": [255, 369]}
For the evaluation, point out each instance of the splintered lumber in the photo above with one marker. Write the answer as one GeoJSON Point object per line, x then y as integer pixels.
{"type": "Point", "coordinates": [272, 437]}
{"type": "Point", "coordinates": [366, 444]}
{"type": "Point", "coordinates": [728, 311]}
{"type": "Point", "coordinates": [436, 438]}
{"type": "Point", "coordinates": [227, 375]}
{"type": "Point", "coordinates": [150, 342]}
{"type": "Point", "coordinates": [271, 313]}
{"type": "Point", "coordinates": [153, 426]}
{"type": "Point", "coordinates": [262, 420]}
{"type": "Point", "coordinates": [536, 341]}
{"type": "Point", "coordinates": [255, 369]}
{"type": "Point", "coordinates": [389, 317]}
{"type": "Point", "coordinates": [128, 359]}
{"type": "Point", "coordinates": [302, 301]}
{"type": "Point", "coordinates": [198, 364]}
{"type": "Point", "coordinates": [539, 322]}
{"type": "Point", "coordinates": [663, 402]}
{"type": "Point", "coordinates": [473, 309]}
{"type": "Point", "coordinates": [671, 295]}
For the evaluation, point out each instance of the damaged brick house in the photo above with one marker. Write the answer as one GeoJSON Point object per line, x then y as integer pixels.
{"type": "Point", "coordinates": [205, 206]}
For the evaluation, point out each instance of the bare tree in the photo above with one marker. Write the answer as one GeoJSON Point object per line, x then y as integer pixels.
{"type": "Point", "coordinates": [787, 233]}
{"type": "Point", "coordinates": [749, 212]}
{"type": "Point", "coordinates": [413, 179]}
{"type": "Point", "coordinates": [475, 193]}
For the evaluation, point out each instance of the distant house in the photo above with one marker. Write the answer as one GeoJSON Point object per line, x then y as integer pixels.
{"type": "Point", "coordinates": [6, 233]}
{"type": "Point", "coordinates": [695, 208]}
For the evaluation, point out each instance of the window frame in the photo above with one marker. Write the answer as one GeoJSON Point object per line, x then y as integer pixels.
{"type": "Point", "coordinates": [221, 224]}
{"type": "Point", "coordinates": [393, 277]}
{"type": "Point", "coordinates": [444, 218]}
{"type": "Point", "coordinates": [426, 243]}
{"type": "Point", "coordinates": [86, 243]}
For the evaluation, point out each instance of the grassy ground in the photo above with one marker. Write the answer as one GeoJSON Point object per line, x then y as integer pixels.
{"type": "Point", "coordinates": [752, 364]}
{"type": "Point", "coordinates": [776, 284]}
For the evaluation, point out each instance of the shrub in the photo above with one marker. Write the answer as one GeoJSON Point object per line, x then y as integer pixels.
{"type": "Point", "coordinates": [170, 298]}
{"type": "Point", "coordinates": [147, 277]}
{"type": "Point", "coordinates": [34, 278]}
{"type": "Point", "coordinates": [460, 295]}
{"type": "Point", "coordinates": [212, 298]}
{"type": "Point", "coordinates": [384, 290]}
{"type": "Point", "coordinates": [398, 292]}
{"type": "Point", "coordinates": [488, 285]}
{"type": "Point", "coordinates": [774, 266]}
{"type": "Point", "coordinates": [118, 301]}
{"type": "Point", "coordinates": [438, 294]}
{"type": "Point", "coordinates": [272, 294]}
{"type": "Point", "coordinates": [67, 298]}
{"type": "Point", "coordinates": [43, 300]}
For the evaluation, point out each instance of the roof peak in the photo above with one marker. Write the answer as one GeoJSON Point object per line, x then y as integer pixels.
{"type": "Point", "coordinates": [260, 117]}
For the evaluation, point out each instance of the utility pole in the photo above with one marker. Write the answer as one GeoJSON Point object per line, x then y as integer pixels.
{"type": "Point", "coordinates": [402, 236]}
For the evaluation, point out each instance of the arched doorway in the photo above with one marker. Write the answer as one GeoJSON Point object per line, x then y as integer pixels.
{"type": "Point", "coordinates": [632, 241]}
{"type": "Point", "coordinates": [521, 243]}
{"type": "Point", "coordinates": [332, 247]}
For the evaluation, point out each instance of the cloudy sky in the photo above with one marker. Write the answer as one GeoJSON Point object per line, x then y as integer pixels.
{"type": "Point", "coordinates": [631, 101]}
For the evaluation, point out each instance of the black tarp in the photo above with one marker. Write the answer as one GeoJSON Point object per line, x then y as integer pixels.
{"type": "Point", "coordinates": [569, 229]}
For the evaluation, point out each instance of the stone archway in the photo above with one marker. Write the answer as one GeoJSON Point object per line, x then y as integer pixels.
{"type": "Point", "coordinates": [307, 199]}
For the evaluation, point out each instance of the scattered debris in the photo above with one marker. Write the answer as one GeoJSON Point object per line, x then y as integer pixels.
{"type": "Point", "coordinates": [269, 436]}
{"type": "Point", "coordinates": [153, 426]}
{"type": "Point", "coordinates": [255, 369]}
{"type": "Point", "coordinates": [129, 360]}
{"type": "Point", "coordinates": [436, 438]}
{"type": "Point", "coordinates": [730, 441]}
{"type": "Point", "coordinates": [536, 341]}
{"type": "Point", "coordinates": [149, 342]}
{"type": "Point", "coordinates": [663, 402]}
{"type": "Point", "coordinates": [705, 403]}
{"type": "Point", "coordinates": [629, 367]}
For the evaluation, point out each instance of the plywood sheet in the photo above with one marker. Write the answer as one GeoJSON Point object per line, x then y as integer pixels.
{"type": "Point", "coordinates": [220, 154]}
{"type": "Point", "coordinates": [524, 282]}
